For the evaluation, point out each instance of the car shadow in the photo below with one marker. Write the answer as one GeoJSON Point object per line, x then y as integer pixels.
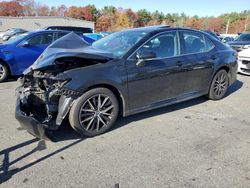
{"type": "Point", "coordinates": [11, 79]}
{"type": "Point", "coordinates": [237, 85]}
{"type": "Point", "coordinates": [7, 170]}
{"type": "Point", "coordinates": [65, 132]}
{"type": "Point", "coordinates": [175, 107]}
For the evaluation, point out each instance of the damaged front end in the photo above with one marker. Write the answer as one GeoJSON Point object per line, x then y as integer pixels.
{"type": "Point", "coordinates": [43, 99]}
{"type": "Point", "coordinates": [42, 103]}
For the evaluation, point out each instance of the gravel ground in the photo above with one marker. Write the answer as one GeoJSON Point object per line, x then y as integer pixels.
{"type": "Point", "coordinates": [198, 143]}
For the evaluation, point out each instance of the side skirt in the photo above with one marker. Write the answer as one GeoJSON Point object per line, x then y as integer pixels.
{"type": "Point", "coordinates": [178, 99]}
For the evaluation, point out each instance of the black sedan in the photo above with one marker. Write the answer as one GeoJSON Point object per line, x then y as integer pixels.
{"type": "Point", "coordinates": [122, 74]}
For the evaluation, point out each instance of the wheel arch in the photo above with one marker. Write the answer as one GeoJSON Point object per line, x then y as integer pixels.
{"type": "Point", "coordinates": [7, 65]}
{"type": "Point", "coordinates": [226, 68]}
{"type": "Point", "coordinates": [223, 67]}
{"type": "Point", "coordinates": [116, 92]}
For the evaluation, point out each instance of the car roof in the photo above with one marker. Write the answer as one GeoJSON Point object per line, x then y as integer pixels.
{"type": "Point", "coordinates": [66, 27]}
{"type": "Point", "coordinates": [245, 33]}
{"type": "Point", "coordinates": [48, 31]}
{"type": "Point", "coordinates": [162, 28]}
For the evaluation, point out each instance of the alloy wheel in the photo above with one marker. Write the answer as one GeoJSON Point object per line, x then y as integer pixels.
{"type": "Point", "coordinates": [96, 113]}
{"type": "Point", "coordinates": [220, 85]}
{"type": "Point", "coordinates": [2, 71]}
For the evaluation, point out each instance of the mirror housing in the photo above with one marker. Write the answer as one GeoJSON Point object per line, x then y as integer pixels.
{"type": "Point", "coordinates": [24, 44]}
{"type": "Point", "coordinates": [145, 55]}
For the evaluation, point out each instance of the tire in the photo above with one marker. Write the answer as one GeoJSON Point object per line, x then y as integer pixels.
{"type": "Point", "coordinates": [219, 85]}
{"type": "Point", "coordinates": [4, 72]}
{"type": "Point", "coordinates": [94, 113]}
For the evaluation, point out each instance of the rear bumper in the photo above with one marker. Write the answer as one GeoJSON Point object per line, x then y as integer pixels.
{"type": "Point", "coordinates": [33, 126]}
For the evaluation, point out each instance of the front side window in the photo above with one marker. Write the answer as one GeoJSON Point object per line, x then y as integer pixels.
{"type": "Point", "coordinates": [193, 42]}
{"type": "Point", "coordinates": [41, 39]}
{"type": "Point", "coordinates": [163, 46]}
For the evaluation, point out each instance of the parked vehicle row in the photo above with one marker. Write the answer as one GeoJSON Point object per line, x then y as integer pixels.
{"type": "Point", "coordinates": [6, 35]}
{"type": "Point", "coordinates": [18, 54]}
{"type": "Point", "coordinates": [244, 62]}
{"type": "Point", "coordinates": [241, 42]}
{"type": "Point", "coordinates": [124, 73]}
{"type": "Point", "coordinates": [21, 51]}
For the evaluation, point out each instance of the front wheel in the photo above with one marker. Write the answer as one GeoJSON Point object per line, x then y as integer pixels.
{"type": "Point", "coordinates": [219, 85]}
{"type": "Point", "coordinates": [94, 112]}
{"type": "Point", "coordinates": [4, 73]}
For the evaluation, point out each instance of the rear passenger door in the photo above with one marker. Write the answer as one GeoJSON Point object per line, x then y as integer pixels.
{"type": "Point", "coordinates": [197, 52]}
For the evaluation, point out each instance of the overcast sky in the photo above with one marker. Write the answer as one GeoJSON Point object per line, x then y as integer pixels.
{"type": "Point", "coordinates": [190, 7]}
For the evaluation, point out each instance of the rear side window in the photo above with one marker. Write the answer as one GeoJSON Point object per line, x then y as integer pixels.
{"type": "Point", "coordinates": [59, 35]}
{"type": "Point", "coordinates": [193, 42]}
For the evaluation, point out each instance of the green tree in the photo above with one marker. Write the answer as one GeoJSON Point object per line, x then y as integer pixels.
{"type": "Point", "coordinates": [143, 17]}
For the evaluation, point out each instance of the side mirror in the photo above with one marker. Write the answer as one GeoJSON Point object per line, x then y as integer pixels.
{"type": "Point", "coordinates": [145, 55]}
{"type": "Point", "coordinates": [24, 44]}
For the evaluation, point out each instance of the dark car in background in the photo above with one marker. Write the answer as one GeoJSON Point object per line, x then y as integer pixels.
{"type": "Point", "coordinates": [124, 73]}
{"type": "Point", "coordinates": [12, 32]}
{"type": "Point", "coordinates": [19, 53]}
{"type": "Point", "coordinates": [213, 34]}
{"type": "Point", "coordinates": [71, 28]}
{"type": "Point", "coordinates": [241, 42]}
{"type": "Point", "coordinates": [226, 39]}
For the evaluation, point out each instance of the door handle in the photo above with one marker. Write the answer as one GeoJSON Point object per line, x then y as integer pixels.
{"type": "Point", "coordinates": [179, 63]}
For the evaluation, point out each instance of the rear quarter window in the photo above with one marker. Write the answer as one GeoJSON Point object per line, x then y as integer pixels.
{"type": "Point", "coordinates": [209, 44]}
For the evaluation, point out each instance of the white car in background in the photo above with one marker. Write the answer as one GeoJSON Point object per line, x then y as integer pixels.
{"type": "Point", "coordinates": [244, 62]}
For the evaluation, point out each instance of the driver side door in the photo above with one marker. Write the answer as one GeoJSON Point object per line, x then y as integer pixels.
{"type": "Point", "coordinates": [159, 78]}
{"type": "Point", "coordinates": [30, 49]}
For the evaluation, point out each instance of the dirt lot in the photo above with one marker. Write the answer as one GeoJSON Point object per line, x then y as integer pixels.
{"type": "Point", "coordinates": [198, 143]}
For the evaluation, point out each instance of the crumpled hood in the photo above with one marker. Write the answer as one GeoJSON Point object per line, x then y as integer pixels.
{"type": "Point", "coordinates": [70, 45]}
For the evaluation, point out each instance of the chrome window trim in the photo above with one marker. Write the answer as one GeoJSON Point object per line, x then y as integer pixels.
{"type": "Point", "coordinates": [179, 45]}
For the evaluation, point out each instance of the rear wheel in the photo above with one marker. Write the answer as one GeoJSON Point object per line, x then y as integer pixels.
{"type": "Point", "coordinates": [219, 85]}
{"type": "Point", "coordinates": [4, 73]}
{"type": "Point", "coordinates": [94, 112]}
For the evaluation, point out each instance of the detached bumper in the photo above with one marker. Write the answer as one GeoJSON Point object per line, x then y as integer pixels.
{"type": "Point", "coordinates": [33, 126]}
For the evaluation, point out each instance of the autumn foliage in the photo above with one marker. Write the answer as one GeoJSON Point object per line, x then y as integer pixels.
{"type": "Point", "coordinates": [111, 18]}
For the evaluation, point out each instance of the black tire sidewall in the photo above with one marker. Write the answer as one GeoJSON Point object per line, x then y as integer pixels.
{"type": "Point", "coordinates": [212, 95]}
{"type": "Point", "coordinates": [76, 107]}
{"type": "Point", "coordinates": [4, 78]}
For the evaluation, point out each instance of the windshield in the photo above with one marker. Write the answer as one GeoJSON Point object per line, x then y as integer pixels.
{"type": "Point", "coordinates": [119, 43]}
{"type": "Point", "coordinates": [15, 38]}
{"type": "Point", "coordinates": [243, 37]}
